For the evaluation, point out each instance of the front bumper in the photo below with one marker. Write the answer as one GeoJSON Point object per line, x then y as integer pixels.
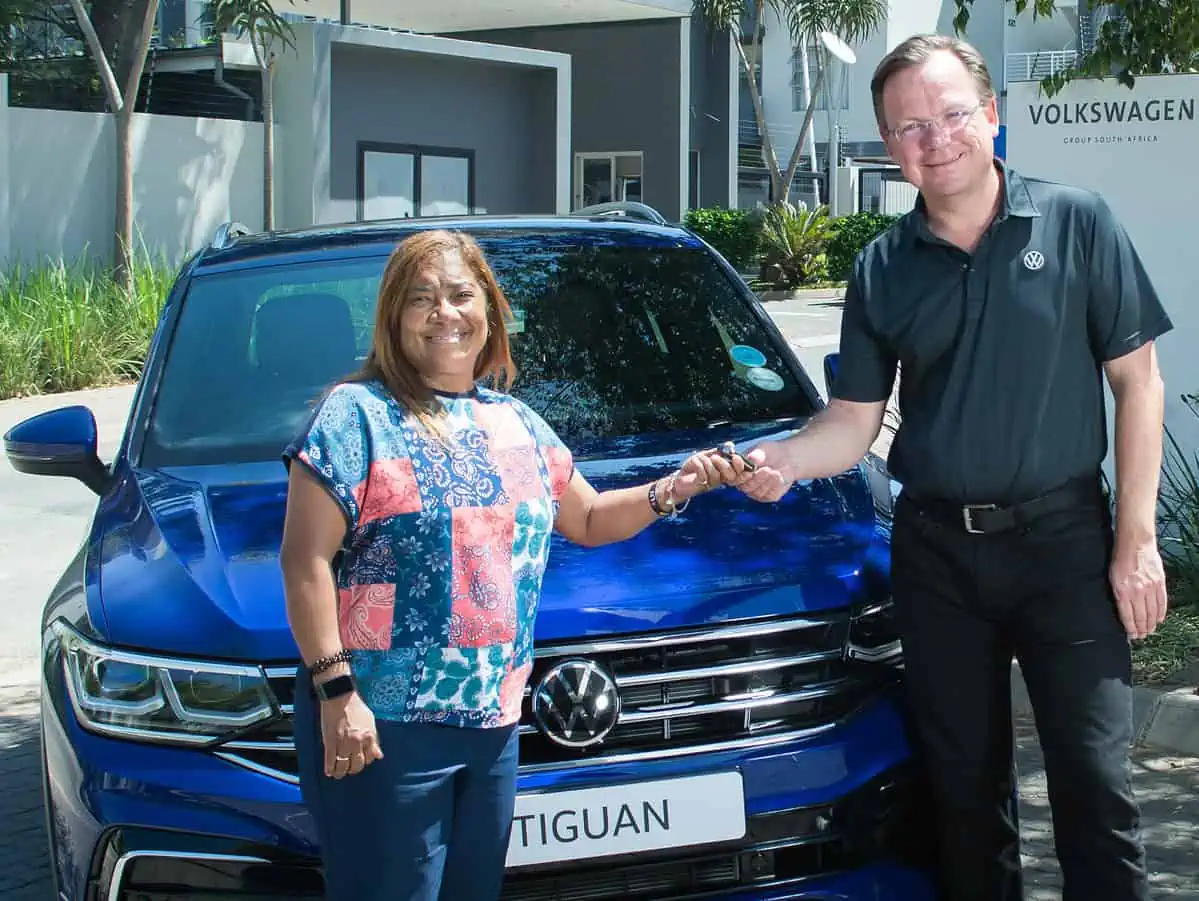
{"type": "Point", "coordinates": [141, 865]}
{"type": "Point", "coordinates": [839, 815]}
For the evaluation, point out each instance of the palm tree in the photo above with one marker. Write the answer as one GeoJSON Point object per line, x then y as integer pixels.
{"type": "Point", "coordinates": [851, 20]}
{"type": "Point", "coordinates": [269, 35]}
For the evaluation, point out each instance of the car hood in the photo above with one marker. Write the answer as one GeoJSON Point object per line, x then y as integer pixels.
{"type": "Point", "coordinates": [189, 557]}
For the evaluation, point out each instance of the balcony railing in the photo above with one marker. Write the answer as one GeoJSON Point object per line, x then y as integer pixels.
{"type": "Point", "coordinates": [1038, 64]}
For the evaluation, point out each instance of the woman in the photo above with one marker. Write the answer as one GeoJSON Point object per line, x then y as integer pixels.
{"type": "Point", "coordinates": [416, 535]}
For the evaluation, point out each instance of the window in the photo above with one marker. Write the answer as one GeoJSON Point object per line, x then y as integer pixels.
{"type": "Point", "coordinates": [610, 340]}
{"type": "Point", "coordinates": [607, 177]}
{"type": "Point", "coordinates": [399, 181]}
{"type": "Point", "coordinates": [836, 83]}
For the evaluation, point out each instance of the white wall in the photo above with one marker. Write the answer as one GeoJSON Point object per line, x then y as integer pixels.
{"type": "Point", "coordinates": [1029, 34]}
{"type": "Point", "coordinates": [1145, 171]}
{"type": "Point", "coordinates": [5, 211]}
{"type": "Point", "coordinates": [190, 175]}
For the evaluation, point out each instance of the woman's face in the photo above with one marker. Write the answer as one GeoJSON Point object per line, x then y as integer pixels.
{"type": "Point", "coordinates": [443, 326]}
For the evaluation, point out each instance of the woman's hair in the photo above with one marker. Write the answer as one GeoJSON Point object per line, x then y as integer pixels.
{"type": "Point", "coordinates": [386, 360]}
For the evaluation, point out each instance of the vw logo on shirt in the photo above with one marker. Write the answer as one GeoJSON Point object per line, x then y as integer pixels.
{"type": "Point", "coordinates": [1034, 260]}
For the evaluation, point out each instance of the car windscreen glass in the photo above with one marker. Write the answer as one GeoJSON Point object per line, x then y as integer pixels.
{"type": "Point", "coordinates": [610, 338]}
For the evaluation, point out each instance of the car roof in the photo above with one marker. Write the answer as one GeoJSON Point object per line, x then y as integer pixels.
{"type": "Point", "coordinates": [234, 246]}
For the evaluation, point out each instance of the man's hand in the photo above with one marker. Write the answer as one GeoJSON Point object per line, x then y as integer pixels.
{"type": "Point", "coordinates": [1139, 581]}
{"type": "Point", "coordinates": [774, 473]}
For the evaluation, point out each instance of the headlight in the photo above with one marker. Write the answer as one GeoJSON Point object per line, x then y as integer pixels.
{"type": "Point", "coordinates": [874, 636]}
{"type": "Point", "coordinates": [138, 696]}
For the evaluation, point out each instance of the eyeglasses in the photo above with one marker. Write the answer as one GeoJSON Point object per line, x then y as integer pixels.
{"type": "Point", "coordinates": [950, 122]}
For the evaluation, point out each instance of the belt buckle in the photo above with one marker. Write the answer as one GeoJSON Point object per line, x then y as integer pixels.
{"type": "Point", "coordinates": [968, 516]}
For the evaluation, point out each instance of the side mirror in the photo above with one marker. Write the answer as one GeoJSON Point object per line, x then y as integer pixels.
{"type": "Point", "coordinates": [831, 363]}
{"type": "Point", "coordinates": [58, 442]}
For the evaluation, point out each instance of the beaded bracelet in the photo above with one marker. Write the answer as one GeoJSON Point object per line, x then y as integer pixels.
{"type": "Point", "coordinates": [653, 500]}
{"type": "Point", "coordinates": [670, 509]}
{"type": "Point", "coordinates": [325, 663]}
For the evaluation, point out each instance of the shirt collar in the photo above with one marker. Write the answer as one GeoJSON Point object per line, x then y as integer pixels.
{"type": "Point", "coordinates": [1017, 201]}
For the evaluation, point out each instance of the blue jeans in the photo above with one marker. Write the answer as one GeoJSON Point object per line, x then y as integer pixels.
{"type": "Point", "coordinates": [428, 822]}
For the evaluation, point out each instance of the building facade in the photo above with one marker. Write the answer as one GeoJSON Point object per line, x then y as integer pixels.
{"type": "Point", "coordinates": [1017, 48]}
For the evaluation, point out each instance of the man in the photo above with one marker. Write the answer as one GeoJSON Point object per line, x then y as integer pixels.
{"type": "Point", "coordinates": [1003, 299]}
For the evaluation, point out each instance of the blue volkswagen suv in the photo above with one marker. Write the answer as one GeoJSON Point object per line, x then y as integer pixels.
{"type": "Point", "coordinates": [759, 747]}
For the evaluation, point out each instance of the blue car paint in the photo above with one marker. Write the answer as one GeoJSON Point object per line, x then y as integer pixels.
{"type": "Point", "coordinates": [184, 562]}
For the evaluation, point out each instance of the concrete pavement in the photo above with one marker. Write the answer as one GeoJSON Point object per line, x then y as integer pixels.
{"type": "Point", "coordinates": [43, 520]}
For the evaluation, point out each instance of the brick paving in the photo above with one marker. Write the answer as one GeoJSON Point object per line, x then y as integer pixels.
{"type": "Point", "coordinates": [24, 864]}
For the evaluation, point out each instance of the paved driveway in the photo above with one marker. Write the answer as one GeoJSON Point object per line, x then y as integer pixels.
{"type": "Point", "coordinates": [42, 521]}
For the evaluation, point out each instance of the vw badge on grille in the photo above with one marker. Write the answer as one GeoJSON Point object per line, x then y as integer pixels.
{"type": "Point", "coordinates": [576, 704]}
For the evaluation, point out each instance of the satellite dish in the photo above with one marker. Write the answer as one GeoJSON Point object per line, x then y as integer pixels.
{"type": "Point", "coordinates": [838, 48]}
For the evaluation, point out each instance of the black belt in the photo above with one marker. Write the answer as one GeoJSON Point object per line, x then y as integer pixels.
{"type": "Point", "coordinates": [986, 519]}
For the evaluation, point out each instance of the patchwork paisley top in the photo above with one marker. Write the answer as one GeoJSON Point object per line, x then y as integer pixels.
{"type": "Point", "coordinates": [440, 573]}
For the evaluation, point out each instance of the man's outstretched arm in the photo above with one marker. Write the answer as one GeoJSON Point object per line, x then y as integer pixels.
{"type": "Point", "coordinates": [834, 440]}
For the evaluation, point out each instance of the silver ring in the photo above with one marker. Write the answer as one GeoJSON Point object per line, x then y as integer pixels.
{"type": "Point", "coordinates": [341, 758]}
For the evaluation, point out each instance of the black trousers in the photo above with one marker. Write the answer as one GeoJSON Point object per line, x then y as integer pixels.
{"type": "Point", "coordinates": [966, 604]}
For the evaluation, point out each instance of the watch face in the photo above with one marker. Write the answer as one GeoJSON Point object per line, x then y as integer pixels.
{"type": "Point", "coordinates": [335, 687]}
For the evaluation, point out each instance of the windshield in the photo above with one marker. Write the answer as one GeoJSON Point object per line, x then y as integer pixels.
{"type": "Point", "coordinates": [611, 339]}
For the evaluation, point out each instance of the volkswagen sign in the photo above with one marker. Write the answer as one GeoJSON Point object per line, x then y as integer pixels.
{"type": "Point", "coordinates": [576, 704]}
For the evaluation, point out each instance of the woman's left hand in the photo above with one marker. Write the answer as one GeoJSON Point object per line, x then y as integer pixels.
{"type": "Point", "coordinates": [705, 471]}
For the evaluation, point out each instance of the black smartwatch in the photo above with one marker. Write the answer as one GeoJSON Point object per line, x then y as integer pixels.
{"type": "Point", "coordinates": [335, 688]}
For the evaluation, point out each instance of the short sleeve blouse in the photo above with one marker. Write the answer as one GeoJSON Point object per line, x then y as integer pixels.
{"type": "Point", "coordinates": [440, 573]}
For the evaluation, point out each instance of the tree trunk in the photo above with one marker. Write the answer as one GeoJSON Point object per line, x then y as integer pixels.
{"type": "Point", "coordinates": [807, 96]}
{"type": "Point", "coordinates": [118, 25]}
{"type": "Point", "coordinates": [123, 231]}
{"type": "Point", "coordinates": [268, 147]}
{"type": "Point", "coordinates": [755, 96]}
{"type": "Point", "coordinates": [797, 153]}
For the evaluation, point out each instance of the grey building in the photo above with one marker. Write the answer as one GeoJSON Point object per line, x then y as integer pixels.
{"type": "Point", "coordinates": [489, 107]}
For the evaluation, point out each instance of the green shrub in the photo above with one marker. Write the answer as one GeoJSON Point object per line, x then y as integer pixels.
{"type": "Point", "coordinates": [1179, 504]}
{"type": "Point", "coordinates": [795, 242]}
{"type": "Point", "coordinates": [854, 232]}
{"type": "Point", "coordinates": [735, 234]}
{"type": "Point", "coordinates": [64, 327]}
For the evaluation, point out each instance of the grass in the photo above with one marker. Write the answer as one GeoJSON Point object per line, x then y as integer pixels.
{"type": "Point", "coordinates": [68, 326]}
{"type": "Point", "coordinates": [1174, 647]}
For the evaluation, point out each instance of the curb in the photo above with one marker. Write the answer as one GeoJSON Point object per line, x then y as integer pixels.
{"type": "Point", "coordinates": [1164, 720]}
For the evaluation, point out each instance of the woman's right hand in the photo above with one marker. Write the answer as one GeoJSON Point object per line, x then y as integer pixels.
{"type": "Point", "coordinates": [349, 735]}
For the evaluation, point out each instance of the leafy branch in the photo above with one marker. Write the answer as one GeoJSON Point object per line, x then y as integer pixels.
{"type": "Point", "coordinates": [1143, 37]}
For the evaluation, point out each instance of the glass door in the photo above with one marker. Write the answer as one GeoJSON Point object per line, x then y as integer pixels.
{"type": "Point", "coordinates": [606, 177]}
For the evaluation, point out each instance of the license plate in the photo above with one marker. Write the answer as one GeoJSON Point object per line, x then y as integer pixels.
{"type": "Point", "coordinates": [626, 819]}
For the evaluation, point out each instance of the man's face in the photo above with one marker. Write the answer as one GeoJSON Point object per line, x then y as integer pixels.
{"type": "Point", "coordinates": [937, 128]}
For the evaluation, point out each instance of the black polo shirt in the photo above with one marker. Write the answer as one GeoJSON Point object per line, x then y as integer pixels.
{"type": "Point", "coordinates": [1000, 351]}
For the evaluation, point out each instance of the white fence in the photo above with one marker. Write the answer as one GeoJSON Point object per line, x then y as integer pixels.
{"type": "Point", "coordinates": [58, 182]}
{"type": "Point", "coordinates": [1037, 65]}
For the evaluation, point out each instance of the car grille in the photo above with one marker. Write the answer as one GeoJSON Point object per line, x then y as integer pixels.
{"type": "Point", "coordinates": [887, 818]}
{"type": "Point", "coordinates": [681, 692]}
